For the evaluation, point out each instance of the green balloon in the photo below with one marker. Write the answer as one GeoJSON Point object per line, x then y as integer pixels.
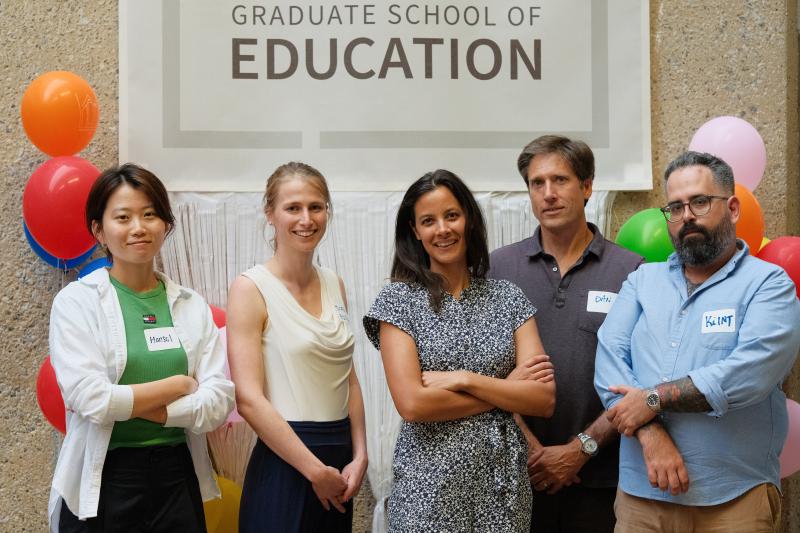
{"type": "Point", "coordinates": [646, 234]}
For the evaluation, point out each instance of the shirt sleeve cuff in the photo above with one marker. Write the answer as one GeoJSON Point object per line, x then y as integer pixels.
{"type": "Point", "coordinates": [120, 406]}
{"type": "Point", "coordinates": [179, 413]}
{"type": "Point", "coordinates": [713, 393]}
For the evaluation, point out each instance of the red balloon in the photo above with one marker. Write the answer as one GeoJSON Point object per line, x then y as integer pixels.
{"type": "Point", "coordinates": [54, 206]}
{"type": "Point", "coordinates": [49, 397]}
{"type": "Point", "coordinates": [219, 316]}
{"type": "Point", "coordinates": [784, 252]}
{"type": "Point", "coordinates": [59, 113]}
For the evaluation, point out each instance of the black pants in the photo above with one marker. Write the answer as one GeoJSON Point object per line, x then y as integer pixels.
{"type": "Point", "coordinates": [574, 509]}
{"type": "Point", "coordinates": [152, 489]}
{"type": "Point", "coordinates": [276, 498]}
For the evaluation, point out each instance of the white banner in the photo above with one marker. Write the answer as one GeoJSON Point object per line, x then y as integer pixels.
{"type": "Point", "coordinates": [214, 94]}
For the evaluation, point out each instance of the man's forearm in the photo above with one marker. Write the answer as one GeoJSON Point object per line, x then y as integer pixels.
{"type": "Point", "coordinates": [681, 396]}
{"type": "Point", "coordinates": [602, 431]}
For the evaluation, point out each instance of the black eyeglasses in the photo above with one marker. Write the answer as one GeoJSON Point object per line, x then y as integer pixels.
{"type": "Point", "coordinates": [699, 206]}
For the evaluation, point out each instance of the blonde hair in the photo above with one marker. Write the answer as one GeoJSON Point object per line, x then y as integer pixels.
{"type": "Point", "coordinates": [289, 171]}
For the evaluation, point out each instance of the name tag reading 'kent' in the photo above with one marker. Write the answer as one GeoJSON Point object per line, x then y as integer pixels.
{"type": "Point", "coordinates": [600, 301]}
{"type": "Point", "coordinates": [161, 339]}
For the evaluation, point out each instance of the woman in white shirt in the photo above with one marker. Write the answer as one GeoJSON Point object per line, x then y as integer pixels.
{"type": "Point", "coordinates": [290, 349]}
{"type": "Point", "coordinates": [141, 368]}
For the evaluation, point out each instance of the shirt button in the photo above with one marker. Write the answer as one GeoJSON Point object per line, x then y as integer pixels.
{"type": "Point", "coordinates": [673, 344]}
{"type": "Point", "coordinates": [664, 379]}
{"type": "Point", "coordinates": [555, 269]}
{"type": "Point", "coordinates": [683, 313]}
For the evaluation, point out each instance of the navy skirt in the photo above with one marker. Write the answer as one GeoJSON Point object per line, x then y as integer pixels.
{"type": "Point", "coordinates": [277, 498]}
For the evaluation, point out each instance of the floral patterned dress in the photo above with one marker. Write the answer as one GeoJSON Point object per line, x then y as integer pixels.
{"type": "Point", "coordinates": [467, 474]}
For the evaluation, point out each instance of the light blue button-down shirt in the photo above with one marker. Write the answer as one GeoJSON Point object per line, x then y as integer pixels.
{"type": "Point", "coordinates": [737, 337]}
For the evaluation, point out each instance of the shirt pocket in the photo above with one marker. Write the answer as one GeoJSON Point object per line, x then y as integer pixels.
{"type": "Point", "coordinates": [719, 341]}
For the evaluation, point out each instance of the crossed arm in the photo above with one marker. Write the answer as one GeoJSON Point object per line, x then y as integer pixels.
{"type": "Point", "coordinates": [438, 396]}
{"type": "Point", "coordinates": [82, 376]}
{"type": "Point", "coordinates": [632, 412]}
{"type": "Point", "coordinates": [551, 468]}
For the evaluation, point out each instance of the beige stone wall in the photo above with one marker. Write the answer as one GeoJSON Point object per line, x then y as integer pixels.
{"type": "Point", "coordinates": [37, 37]}
{"type": "Point", "coordinates": [709, 58]}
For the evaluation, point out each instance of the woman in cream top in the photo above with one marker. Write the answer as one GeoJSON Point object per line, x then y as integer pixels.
{"type": "Point", "coordinates": [307, 359]}
{"type": "Point", "coordinates": [290, 350]}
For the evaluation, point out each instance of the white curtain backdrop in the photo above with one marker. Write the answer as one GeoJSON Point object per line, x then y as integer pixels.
{"type": "Point", "coordinates": [219, 235]}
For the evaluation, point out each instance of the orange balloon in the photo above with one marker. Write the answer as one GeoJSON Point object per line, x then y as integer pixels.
{"type": "Point", "coordinates": [59, 113]}
{"type": "Point", "coordinates": [750, 227]}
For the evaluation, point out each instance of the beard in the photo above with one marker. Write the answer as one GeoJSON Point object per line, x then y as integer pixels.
{"type": "Point", "coordinates": [706, 245]}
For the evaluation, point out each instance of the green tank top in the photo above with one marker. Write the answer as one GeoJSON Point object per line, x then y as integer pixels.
{"type": "Point", "coordinates": [154, 352]}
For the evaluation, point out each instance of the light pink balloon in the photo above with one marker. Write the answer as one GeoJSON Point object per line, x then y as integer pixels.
{"type": "Point", "coordinates": [737, 143]}
{"type": "Point", "coordinates": [790, 456]}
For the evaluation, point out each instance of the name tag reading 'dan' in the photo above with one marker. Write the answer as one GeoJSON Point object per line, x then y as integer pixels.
{"type": "Point", "coordinates": [600, 301]}
{"type": "Point", "coordinates": [161, 339]}
{"type": "Point", "coordinates": [719, 321]}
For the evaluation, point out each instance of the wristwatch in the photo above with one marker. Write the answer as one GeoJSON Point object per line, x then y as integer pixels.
{"type": "Point", "coordinates": [588, 444]}
{"type": "Point", "coordinates": [654, 400]}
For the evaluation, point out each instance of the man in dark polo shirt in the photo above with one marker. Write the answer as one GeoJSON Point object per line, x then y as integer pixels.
{"type": "Point", "coordinates": [572, 275]}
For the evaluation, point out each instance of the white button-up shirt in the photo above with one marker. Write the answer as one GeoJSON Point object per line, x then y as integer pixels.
{"type": "Point", "coordinates": [88, 351]}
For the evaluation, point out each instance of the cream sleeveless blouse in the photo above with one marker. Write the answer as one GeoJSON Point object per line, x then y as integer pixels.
{"type": "Point", "coordinates": [307, 360]}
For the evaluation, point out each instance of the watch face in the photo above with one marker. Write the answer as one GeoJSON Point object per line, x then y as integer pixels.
{"type": "Point", "coordinates": [590, 446]}
{"type": "Point", "coordinates": [652, 400]}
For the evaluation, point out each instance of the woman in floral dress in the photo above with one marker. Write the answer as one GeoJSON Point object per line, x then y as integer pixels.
{"type": "Point", "coordinates": [461, 354]}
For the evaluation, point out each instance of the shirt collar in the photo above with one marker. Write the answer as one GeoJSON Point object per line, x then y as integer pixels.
{"type": "Point", "coordinates": [595, 245]}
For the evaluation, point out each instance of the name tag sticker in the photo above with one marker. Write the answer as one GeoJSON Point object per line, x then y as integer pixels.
{"type": "Point", "coordinates": [158, 339]}
{"type": "Point", "coordinates": [720, 321]}
{"type": "Point", "coordinates": [600, 301]}
{"type": "Point", "coordinates": [342, 312]}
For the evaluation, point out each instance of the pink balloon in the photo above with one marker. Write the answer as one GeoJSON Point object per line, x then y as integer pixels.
{"type": "Point", "coordinates": [737, 143]}
{"type": "Point", "coordinates": [790, 457]}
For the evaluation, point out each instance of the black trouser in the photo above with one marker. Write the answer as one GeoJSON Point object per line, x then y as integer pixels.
{"type": "Point", "coordinates": [152, 489]}
{"type": "Point", "coordinates": [574, 509]}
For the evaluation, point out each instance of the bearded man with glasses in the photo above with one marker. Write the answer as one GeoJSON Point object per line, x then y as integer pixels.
{"type": "Point", "coordinates": [690, 363]}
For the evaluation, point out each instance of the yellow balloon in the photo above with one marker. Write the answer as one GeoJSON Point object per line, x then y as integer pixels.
{"type": "Point", "coordinates": [222, 515]}
{"type": "Point", "coordinates": [764, 242]}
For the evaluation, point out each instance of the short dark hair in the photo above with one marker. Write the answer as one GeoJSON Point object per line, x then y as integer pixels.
{"type": "Point", "coordinates": [576, 153]}
{"type": "Point", "coordinates": [720, 170]}
{"type": "Point", "coordinates": [411, 263]}
{"type": "Point", "coordinates": [137, 177]}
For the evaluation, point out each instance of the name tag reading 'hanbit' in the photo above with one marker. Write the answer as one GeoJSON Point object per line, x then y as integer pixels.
{"type": "Point", "coordinates": [720, 321]}
{"type": "Point", "coordinates": [600, 301]}
{"type": "Point", "coordinates": [161, 339]}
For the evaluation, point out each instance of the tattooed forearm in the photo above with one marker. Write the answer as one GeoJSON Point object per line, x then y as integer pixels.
{"type": "Point", "coordinates": [682, 396]}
